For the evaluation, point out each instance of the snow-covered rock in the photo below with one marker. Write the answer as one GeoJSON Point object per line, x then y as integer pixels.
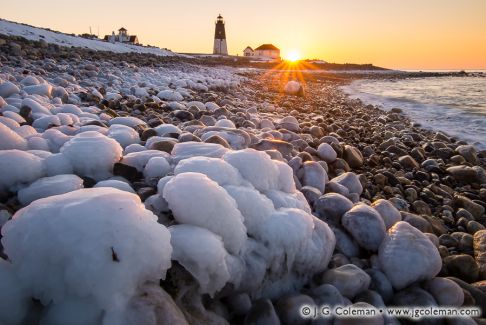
{"type": "Point", "coordinates": [10, 139]}
{"type": "Point", "coordinates": [113, 183]}
{"type": "Point", "coordinates": [49, 186]}
{"type": "Point", "coordinates": [123, 134]}
{"type": "Point", "coordinates": [19, 168]}
{"type": "Point", "coordinates": [14, 300]}
{"type": "Point", "coordinates": [197, 200]}
{"type": "Point", "coordinates": [92, 154]}
{"type": "Point", "coordinates": [91, 248]}
{"type": "Point", "coordinates": [202, 253]}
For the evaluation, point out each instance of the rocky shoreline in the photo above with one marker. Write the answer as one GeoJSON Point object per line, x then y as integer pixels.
{"type": "Point", "coordinates": [244, 201]}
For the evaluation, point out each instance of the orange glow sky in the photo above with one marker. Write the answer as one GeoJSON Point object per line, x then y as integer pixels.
{"type": "Point", "coordinates": [405, 34]}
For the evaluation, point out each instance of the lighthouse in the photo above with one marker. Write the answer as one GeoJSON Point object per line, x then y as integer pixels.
{"type": "Point", "coordinates": [220, 46]}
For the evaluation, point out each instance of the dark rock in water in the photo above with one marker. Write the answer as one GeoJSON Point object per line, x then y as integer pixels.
{"type": "Point", "coordinates": [128, 172]}
{"type": "Point", "coordinates": [462, 266]}
{"type": "Point", "coordinates": [469, 153]}
{"type": "Point", "coordinates": [262, 313]}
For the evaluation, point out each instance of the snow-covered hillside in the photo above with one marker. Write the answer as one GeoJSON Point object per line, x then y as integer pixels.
{"type": "Point", "coordinates": [34, 33]}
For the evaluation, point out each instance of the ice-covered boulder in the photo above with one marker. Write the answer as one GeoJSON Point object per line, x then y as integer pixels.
{"type": "Point", "coordinates": [406, 256]}
{"type": "Point", "coordinates": [14, 300]}
{"type": "Point", "coordinates": [19, 168]}
{"type": "Point", "coordinates": [192, 149]}
{"type": "Point", "coordinates": [92, 154]}
{"type": "Point", "coordinates": [9, 139]}
{"type": "Point", "coordinates": [7, 89]}
{"type": "Point", "coordinates": [216, 169]}
{"type": "Point", "coordinates": [197, 200]}
{"type": "Point", "coordinates": [123, 134]}
{"type": "Point", "coordinates": [113, 183]}
{"type": "Point", "coordinates": [140, 159]}
{"type": "Point", "coordinates": [287, 243]}
{"type": "Point", "coordinates": [42, 89]}
{"type": "Point", "coordinates": [256, 167]}
{"type": "Point", "coordinates": [202, 253]}
{"type": "Point", "coordinates": [90, 249]}
{"type": "Point", "coordinates": [49, 186]}
{"type": "Point", "coordinates": [127, 121]}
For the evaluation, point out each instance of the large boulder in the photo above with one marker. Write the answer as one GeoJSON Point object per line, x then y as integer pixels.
{"type": "Point", "coordinates": [405, 246]}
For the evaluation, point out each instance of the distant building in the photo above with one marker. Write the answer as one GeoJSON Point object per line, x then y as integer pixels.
{"type": "Point", "coordinates": [220, 47]}
{"type": "Point", "coordinates": [122, 37]}
{"type": "Point", "coordinates": [248, 51]}
{"type": "Point", "coordinates": [263, 52]}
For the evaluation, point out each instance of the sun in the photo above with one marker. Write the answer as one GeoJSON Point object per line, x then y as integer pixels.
{"type": "Point", "coordinates": [293, 56]}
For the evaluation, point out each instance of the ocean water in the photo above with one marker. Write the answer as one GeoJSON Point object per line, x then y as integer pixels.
{"type": "Point", "coordinates": [454, 105]}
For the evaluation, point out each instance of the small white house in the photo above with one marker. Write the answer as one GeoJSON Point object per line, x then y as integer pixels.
{"type": "Point", "coordinates": [122, 37]}
{"type": "Point", "coordinates": [263, 52]}
{"type": "Point", "coordinates": [248, 51]}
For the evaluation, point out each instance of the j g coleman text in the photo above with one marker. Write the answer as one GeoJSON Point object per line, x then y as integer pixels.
{"type": "Point", "coordinates": [308, 311]}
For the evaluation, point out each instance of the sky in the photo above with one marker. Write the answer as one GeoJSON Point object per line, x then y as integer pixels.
{"type": "Point", "coordinates": [400, 34]}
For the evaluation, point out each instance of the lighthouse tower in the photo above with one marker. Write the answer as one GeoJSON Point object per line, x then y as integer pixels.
{"type": "Point", "coordinates": [220, 46]}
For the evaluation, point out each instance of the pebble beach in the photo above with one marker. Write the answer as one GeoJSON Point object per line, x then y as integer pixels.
{"type": "Point", "coordinates": [138, 189]}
